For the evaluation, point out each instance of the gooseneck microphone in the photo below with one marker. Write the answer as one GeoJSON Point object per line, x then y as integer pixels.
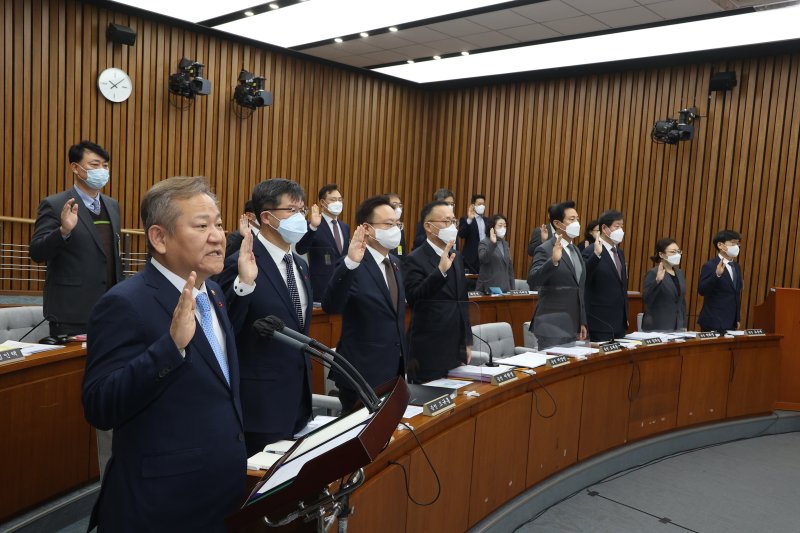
{"type": "Point", "coordinates": [491, 361]}
{"type": "Point", "coordinates": [272, 327]}
{"type": "Point", "coordinates": [609, 326]}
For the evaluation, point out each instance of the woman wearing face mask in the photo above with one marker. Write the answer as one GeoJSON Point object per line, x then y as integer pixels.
{"type": "Point", "coordinates": [494, 255]}
{"type": "Point", "coordinates": [590, 236]}
{"type": "Point", "coordinates": [664, 292]}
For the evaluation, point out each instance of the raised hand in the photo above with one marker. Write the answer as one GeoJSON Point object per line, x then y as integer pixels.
{"type": "Point", "coordinates": [248, 270]}
{"type": "Point", "coordinates": [543, 229]}
{"type": "Point", "coordinates": [558, 251]}
{"type": "Point", "coordinates": [661, 272]}
{"type": "Point", "coordinates": [447, 258]}
{"type": "Point", "coordinates": [582, 334]}
{"type": "Point", "coordinates": [358, 244]}
{"type": "Point", "coordinates": [598, 248]}
{"type": "Point", "coordinates": [183, 322]}
{"type": "Point", "coordinates": [720, 268]}
{"type": "Point", "coordinates": [69, 217]}
{"type": "Point", "coordinates": [471, 212]}
{"type": "Point", "coordinates": [493, 236]}
{"type": "Point", "coordinates": [469, 354]}
{"type": "Point", "coordinates": [316, 216]}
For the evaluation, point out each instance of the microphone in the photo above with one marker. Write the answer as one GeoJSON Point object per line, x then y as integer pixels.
{"type": "Point", "coordinates": [33, 328]}
{"type": "Point", "coordinates": [272, 327]}
{"type": "Point", "coordinates": [609, 326]}
{"type": "Point", "coordinates": [491, 361]}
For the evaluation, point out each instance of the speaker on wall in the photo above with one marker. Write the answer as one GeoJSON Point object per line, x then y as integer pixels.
{"type": "Point", "coordinates": [119, 34]}
{"type": "Point", "coordinates": [722, 81]}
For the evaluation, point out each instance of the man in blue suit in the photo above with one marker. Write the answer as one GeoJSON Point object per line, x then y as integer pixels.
{"type": "Point", "coordinates": [607, 281]}
{"type": "Point", "coordinates": [162, 372]}
{"type": "Point", "coordinates": [367, 289]}
{"type": "Point", "coordinates": [276, 379]}
{"type": "Point", "coordinates": [327, 239]}
{"type": "Point", "coordinates": [721, 285]}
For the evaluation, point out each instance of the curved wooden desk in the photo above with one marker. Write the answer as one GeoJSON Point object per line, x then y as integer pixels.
{"type": "Point", "coordinates": [490, 449]}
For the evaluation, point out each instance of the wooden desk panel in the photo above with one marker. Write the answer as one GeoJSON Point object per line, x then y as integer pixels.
{"type": "Point", "coordinates": [754, 379]}
{"type": "Point", "coordinates": [555, 427]}
{"type": "Point", "coordinates": [381, 503]}
{"type": "Point", "coordinates": [451, 455]}
{"type": "Point", "coordinates": [500, 456]}
{"type": "Point", "coordinates": [704, 383]}
{"type": "Point", "coordinates": [604, 412]}
{"type": "Point", "coordinates": [654, 396]}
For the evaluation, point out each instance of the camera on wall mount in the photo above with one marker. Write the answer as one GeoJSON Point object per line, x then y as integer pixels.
{"type": "Point", "coordinates": [250, 92]}
{"type": "Point", "coordinates": [672, 131]}
{"type": "Point", "coordinates": [188, 81]}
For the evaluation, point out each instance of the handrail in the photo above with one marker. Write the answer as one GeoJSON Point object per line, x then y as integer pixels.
{"type": "Point", "coordinates": [20, 220]}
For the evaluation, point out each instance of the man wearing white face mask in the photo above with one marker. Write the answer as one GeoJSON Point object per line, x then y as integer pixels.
{"type": "Point", "coordinates": [559, 274]}
{"type": "Point", "coordinates": [77, 234]}
{"type": "Point", "coordinates": [367, 290]}
{"type": "Point", "coordinates": [275, 378]}
{"type": "Point", "coordinates": [439, 337]}
{"type": "Point", "coordinates": [473, 229]}
{"type": "Point", "coordinates": [721, 284]}
{"type": "Point", "coordinates": [607, 280]}
{"type": "Point", "coordinates": [327, 239]}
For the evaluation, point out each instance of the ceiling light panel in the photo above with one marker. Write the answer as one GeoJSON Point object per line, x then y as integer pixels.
{"type": "Point", "coordinates": [318, 20]}
{"type": "Point", "coordinates": [191, 10]}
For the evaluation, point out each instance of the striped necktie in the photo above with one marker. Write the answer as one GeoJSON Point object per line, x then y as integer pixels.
{"type": "Point", "coordinates": [291, 284]}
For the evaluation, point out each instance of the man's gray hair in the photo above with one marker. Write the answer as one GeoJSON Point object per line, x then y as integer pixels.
{"type": "Point", "coordinates": [159, 207]}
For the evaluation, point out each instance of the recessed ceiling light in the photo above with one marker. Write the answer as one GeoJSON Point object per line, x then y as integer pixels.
{"type": "Point", "coordinates": [393, 28]}
{"type": "Point", "coordinates": [274, 6]}
{"type": "Point", "coordinates": [364, 34]}
{"type": "Point", "coordinates": [437, 57]}
{"type": "Point", "coordinates": [248, 13]}
{"type": "Point", "coordinates": [464, 53]}
{"type": "Point", "coordinates": [410, 61]}
{"type": "Point", "coordinates": [338, 40]}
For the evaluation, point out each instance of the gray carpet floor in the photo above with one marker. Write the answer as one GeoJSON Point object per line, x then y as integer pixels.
{"type": "Point", "coordinates": [746, 486]}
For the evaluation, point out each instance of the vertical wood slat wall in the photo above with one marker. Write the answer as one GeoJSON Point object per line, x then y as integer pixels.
{"type": "Point", "coordinates": [527, 145]}
{"type": "Point", "coordinates": [524, 145]}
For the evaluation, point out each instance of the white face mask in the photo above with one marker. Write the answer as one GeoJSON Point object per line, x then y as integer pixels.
{"type": "Point", "coordinates": [398, 212]}
{"type": "Point", "coordinates": [674, 260]}
{"type": "Point", "coordinates": [335, 208]}
{"type": "Point", "coordinates": [500, 232]}
{"type": "Point", "coordinates": [450, 233]}
{"type": "Point", "coordinates": [480, 209]}
{"type": "Point", "coordinates": [617, 235]}
{"type": "Point", "coordinates": [733, 250]}
{"type": "Point", "coordinates": [388, 238]}
{"type": "Point", "coordinates": [573, 229]}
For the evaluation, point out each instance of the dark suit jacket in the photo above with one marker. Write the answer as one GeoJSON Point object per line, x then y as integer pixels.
{"type": "Point", "coordinates": [561, 309]}
{"type": "Point", "coordinates": [497, 270]}
{"type": "Point", "coordinates": [373, 330]}
{"type": "Point", "coordinates": [606, 295]}
{"type": "Point", "coordinates": [76, 267]}
{"type": "Point", "coordinates": [440, 329]}
{"type": "Point", "coordinates": [469, 232]}
{"type": "Point", "coordinates": [536, 239]}
{"type": "Point", "coordinates": [276, 379]}
{"type": "Point", "coordinates": [420, 237]}
{"type": "Point", "coordinates": [322, 254]}
{"type": "Point", "coordinates": [178, 455]}
{"type": "Point", "coordinates": [722, 296]}
{"type": "Point", "coordinates": [665, 303]}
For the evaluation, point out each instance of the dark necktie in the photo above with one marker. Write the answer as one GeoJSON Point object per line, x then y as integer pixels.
{"type": "Point", "coordinates": [391, 281]}
{"type": "Point", "coordinates": [617, 261]}
{"type": "Point", "coordinates": [292, 286]}
{"type": "Point", "coordinates": [95, 206]}
{"type": "Point", "coordinates": [336, 236]}
{"type": "Point", "coordinates": [576, 262]}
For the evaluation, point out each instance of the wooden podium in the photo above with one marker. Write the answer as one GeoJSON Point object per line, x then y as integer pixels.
{"type": "Point", "coordinates": [780, 313]}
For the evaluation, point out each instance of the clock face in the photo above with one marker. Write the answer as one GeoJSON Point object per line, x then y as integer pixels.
{"type": "Point", "coordinates": [114, 84]}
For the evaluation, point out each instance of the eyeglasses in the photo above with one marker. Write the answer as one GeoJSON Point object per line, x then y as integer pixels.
{"type": "Point", "coordinates": [389, 225]}
{"type": "Point", "coordinates": [397, 204]}
{"type": "Point", "coordinates": [673, 252]}
{"type": "Point", "coordinates": [447, 221]}
{"type": "Point", "coordinates": [293, 210]}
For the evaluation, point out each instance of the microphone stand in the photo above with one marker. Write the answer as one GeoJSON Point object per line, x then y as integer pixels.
{"type": "Point", "coordinates": [491, 360]}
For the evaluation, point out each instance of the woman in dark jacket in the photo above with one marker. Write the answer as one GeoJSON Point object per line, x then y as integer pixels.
{"type": "Point", "coordinates": [494, 254]}
{"type": "Point", "coordinates": [664, 292]}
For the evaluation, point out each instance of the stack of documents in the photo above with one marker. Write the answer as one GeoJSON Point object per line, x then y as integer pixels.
{"type": "Point", "coordinates": [527, 359]}
{"type": "Point", "coordinates": [477, 373]}
{"type": "Point", "coordinates": [447, 383]}
{"type": "Point", "coordinates": [272, 452]}
{"type": "Point", "coordinates": [28, 348]}
{"type": "Point", "coordinates": [574, 351]}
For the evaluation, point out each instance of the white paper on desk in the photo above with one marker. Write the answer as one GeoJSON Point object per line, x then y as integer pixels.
{"type": "Point", "coordinates": [262, 461]}
{"type": "Point", "coordinates": [735, 332]}
{"type": "Point", "coordinates": [412, 411]}
{"type": "Point", "coordinates": [527, 359]}
{"type": "Point", "coordinates": [281, 446]}
{"type": "Point", "coordinates": [290, 469]}
{"type": "Point", "coordinates": [316, 423]}
{"type": "Point", "coordinates": [447, 383]}
{"type": "Point", "coordinates": [29, 348]}
{"type": "Point", "coordinates": [477, 373]}
{"type": "Point", "coordinates": [571, 352]}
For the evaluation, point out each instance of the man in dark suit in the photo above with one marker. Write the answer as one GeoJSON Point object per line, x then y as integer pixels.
{"type": "Point", "coordinates": [721, 284]}
{"type": "Point", "coordinates": [77, 234]}
{"type": "Point", "coordinates": [367, 290]}
{"type": "Point", "coordinates": [472, 228]}
{"type": "Point", "coordinates": [441, 195]}
{"type": "Point", "coordinates": [607, 280]}
{"type": "Point", "coordinates": [276, 379]}
{"type": "Point", "coordinates": [161, 370]}
{"type": "Point", "coordinates": [234, 239]}
{"type": "Point", "coordinates": [402, 250]}
{"type": "Point", "coordinates": [540, 234]}
{"type": "Point", "coordinates": [439, 337]}
{"type": "Point", "coordinates": [559, 274]}
{"type": "Point", "coordinates": [327, 239]}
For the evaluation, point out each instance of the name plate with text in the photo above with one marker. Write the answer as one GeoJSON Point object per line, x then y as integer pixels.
{"type": "Point", "coordinates": [474, 294]}
{"type": "Point", "coordinates": [611, 347]}
{"type": "Point", "coordinates": [505, 377]}
{"type": "Point", "coordinates": [10, 355]}
{"type": "Point", "coordinates": [518, 292]}
{"type": "Point", "coordinates": [754, 332]}
{"type": "Point", "coordinates": [438, 406]}
{"type": "Point", "coordinates": [557, 360]}
{"type": "Point", "coordinates": [651, 341]}
{"type": "Point", "coordinates": [706, 335]}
